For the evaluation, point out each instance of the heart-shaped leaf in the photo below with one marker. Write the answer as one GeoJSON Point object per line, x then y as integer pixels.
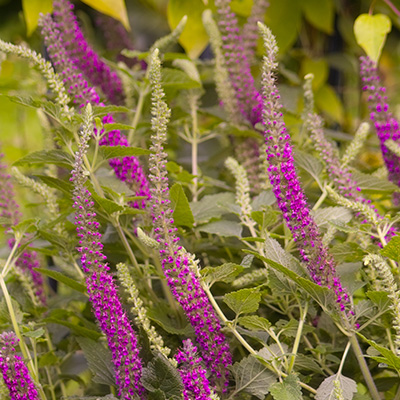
{"type": "Point", "coordinates": [371, 32]}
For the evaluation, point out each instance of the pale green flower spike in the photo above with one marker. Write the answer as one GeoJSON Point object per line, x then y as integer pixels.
{"type": "Point", "coordinates": [356, 206]}
{"type": "Point", "coordinates": [28, 286]}
{"type": "Point", "coordinates": [308, 96]}
{"type": "Point", "coordinates": [251, 278]}
{"type": "Point", "coordinates": [338, 391]}
{"type": "Point", "coordinates": [393, 147]}
{"type": "Point", "coordinates": [147, 240]}
{"type": "Point", "coordinates": [329, 235]}
{"type": "Point", "coordinates": [242, 190]}
{"type": "Point", "coordinates": [389, 285]}
{"type": "Point", "coordinates": [156, 341]}
{"type": "Point", "coordinates": [45, 67]}
{"type": "Point", "coordinates": [356, 144]}
{"type": "Point", "coordinates": [223, 85]}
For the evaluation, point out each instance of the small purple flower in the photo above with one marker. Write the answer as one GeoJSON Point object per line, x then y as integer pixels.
{"type": "Point", "coordinates": [83, 55]}
{"type": "Point", "coordinates": [195, 382]}
{"type": "Point", "coordinates": [249, 99]}
{"type": "Point", "coordinates": [286, 184]}
{"type": "Point", "coordinates": [15, 373]}
{"type": "Point", "coordinates": [387, 127]}
{"type": "Point", "coordinates": [103, 293]}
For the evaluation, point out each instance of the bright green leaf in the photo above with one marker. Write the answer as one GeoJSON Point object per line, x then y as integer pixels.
{"type": "Point", "coordinates": [112, 8]}
{"type": "Point", "coordinates": [328, 101]}
{"type": "Point", "coordinates": [57, 157]}
{"type": "Point", "coordinates": [58, 276]}
{"type": "Point", "coordinates": [224, 273]}
{"type": "Point", "coordinates": [319, 68]}
{"type": "Point", "coordinates": [243, 301]}
{"type": "Point", "coordinates": [194, 37]}
{"type": "Point", "coordinates": [392, 249]}
{"type": "Point", "coordinates": [371, 32]}
{"type": "Point", "coordinates": [107, 205]}
{"type": "Point", "coordinates": [254, 323]}
{"type": "Point", "coordinates": [32, 10]}
{"type": "Point", "coordinates": [182, 213]}
{"type": "Point", "coordinates": [288, 389]}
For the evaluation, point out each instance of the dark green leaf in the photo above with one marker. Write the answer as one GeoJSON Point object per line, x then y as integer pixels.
{"type": "Point", "coordinates": [224, 273]}
{"type": "Point", "coordinates": [320, 13]}
{"type": "Point", "coordinates": [64, 186]}
{"type": "Point", "coordinates": [243, 301]}
{"type": "Point", "coordinates": [36, 334]}
{"type": "Point", "coordinates": [58, 276]}
{"type": "Point", "coordinates": [48, 359]}
{"type": "Point", "coordinates": [182, 213]}
{"type": "Point", "coordinates": [76, 329]}
{"type": "Point", "coordinates": [121, 151]}
{"type": "Point", "coordinates": [211, 206]}
{"type": "Point", "coordinates": [288, 389]}
{"type": "Point", "coordinates": [57, 157]}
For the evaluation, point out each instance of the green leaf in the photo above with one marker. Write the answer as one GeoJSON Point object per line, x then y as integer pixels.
{"type": "Point", "coordinates": [99, 359]}
{"type": "Point", "coordinates": [57, 157]}
{"type": "Point", "coordinates": [76, 329]}
{"type": "Point", "coordinates": [32, 10]}
{"type": "Point", "coordinates": [327, 100]}
{"type": "Point", "coordinates": [182, 213]}
{"type": "Point", "coordinates": [243, 301]}
{"type": "Point", "coordinates": [121, 151]}
{"type": "Point", "coordinates": [392, 249]}
{"type": "Point", "coordinates": [117, 125]}
{"type": "Point", "coordinates": [224, 273]}
{"type": "Point", "coordinates": [381, 299]}
{"type": "Point", "coordinates": [161, 375]}
{"type": "Point", "coordinates": [288, 389]}
{"type": "Point", "coordinates": [59, 277]}
{"type": "Point", "coordinates": [319, 68]}
{"type": "Point", "coordinates": [107, 205]}
{"type": "Point", "coordinates": [290, 328]}
{"type": "Point", "coordinates": [309, 163]}
{"type": "Point", "coordinates": [327, 389]}
{"type": "Point", "coordinates": [48, 359]}
{"type": "Point", "coordinates": [113, 8]}
{"type": "Point", "coordinates": [372, 184]}
{"type": "Point", "coordinates": [211, 206]}
{"type": "Point", "coordinates": [323, 215]}
{"type": "Point", "coordinates": [371, 32]}
{"type": "Point", "coordinates": [101, 111]}
{"type": "Point", "coordinates": [320, 13]}
{"type": "Point", "coordinates": [347, 252]}
{"type": "Point", "coordinates": [285, 33]}
{"type": "Point", "coordinates": [252, 377]}
{"type": "Point", "coordinates": [36, 334]}
{"type": "Point", "coordinates": [223, 228]}
{"type": "Point", "coordinates": [64, 186]}
{"type": "Point", "coordinates": [254, 323]}
{"type": "Point", "coordinates": [177, 79]}
{"type": "Point", "coordinates": [5, 315]}
{"type": "Point", "coordinates": [194, 38]}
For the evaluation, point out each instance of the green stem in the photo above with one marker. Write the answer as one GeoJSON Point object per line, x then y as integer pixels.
{"type": "Point", "coordinates": [193, 108]}
{"type": "Point", "coordinates": [297, 339]}
{"type": "Point", "coordinates": [10, 260]}
{"type": "Point", "coordinates": [51, 386]}
{"type": "Point", "coordinates": [346, 350]}
{"type": "Point", "coordinates": [373, 391]}
{"type": "Point", "coordinates": [138, 112]}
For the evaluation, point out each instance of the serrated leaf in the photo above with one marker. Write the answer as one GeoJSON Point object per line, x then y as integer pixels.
{"type": "Point", "coordinates": [323, 215]}
{"type": "Point", "coordinates": [252, 377]}
{"type": "Point", "coordinates": [32, 10]}
{"type": "Point", "coordinates": [275, 252]}
{"type": "Point", "coordinates": [372, 184]}
{"type": "Point", "coordinates": [5, 315]}
{"type": "Point", "coordinates": [223, 228]}
{"type": "Point", "coordinates": [309, 163]}
{"type": "Point", "coordinates": [224, 273]}
{"type": "Point", "coordinates": [58, 276]}
{"type": "Point", "coordinates": [327, 388]}
{"type": "Point", "coordinates": [254, 323]}
{"type": "Point", "coordinates": [194, 37]}
{"type": "Point", "coordinates": [243, 301]}
{"type": "Point", "coordinates": [211, 206]}
{"type": "Point", "coordinates": [121, 151]}
{"type": "Point", "coordinates": [161, 375]}
{"type": "Point", "coordinates": [288, 389]}
{"type": "Point", "coordinates": [392, 249]}
{"type": "Point", "coordinates": [182, 213]}
{"type": "Point", "coordinates": [347, 252]}
{"type": "Point", "coordinates": [36, 334]}
{"type": "Point", "coordinates": [48, 359]}
{"type": "Point", "coordinates": [113, 8]}
{"type": "Point", "coordinates": [99, 360]}
{"type": "Point", "coordinates": [76, 329]}
{"type": "Point", "coordinates": [389, 358]}
{"type": "Point", "coordinates": [107, 205]}
{"type": "Point", "coordinates": [177, 79]}
{"type": "Point", "coordinates": [55, 156]}
{"type": "Point", "coordinates": [371, 32]}
{"type": "Point", "coordinates": [290, 328]}
{"type": "Point", "coordinates": [381, 299]}
{"type": "Point", "coordinates": [64, 186]}
{"type": "Point", "coordinates": [320, 13]}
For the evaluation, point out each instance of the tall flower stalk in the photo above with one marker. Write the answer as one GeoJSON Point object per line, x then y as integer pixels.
{"type": "Point", "coordinates": [103, 292]}
{"type": "Point", "coordinates": [15, 373]}
{"type": "Point", "coordinates": [285, 182]}
{"type": "Point", "coordinates": [386, 126]}
{"type": "Point", "coordinates": [176, 263]}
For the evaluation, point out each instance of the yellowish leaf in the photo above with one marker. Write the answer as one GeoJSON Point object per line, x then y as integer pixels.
{"type": "Point", "coordinates": [32, 9]}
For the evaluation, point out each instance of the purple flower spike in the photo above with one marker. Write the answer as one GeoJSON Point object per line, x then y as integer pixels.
{"type": "Point", "coordinates": [83, 55]}
{"type": "Point", "coordinates": [249, 99]}
{"type": "Point", "coordinates": [102, 291]}
{"type": "Point", "coordinates": [387, 127]}
{"type": "Point", "coordinates": [195, 382]}
{"type": "Point", "coordinates": [176, 263]}
{"type": "Point", "coordinates": [286, 185]}
{"type": "Point", "coordinates": [15, 373]}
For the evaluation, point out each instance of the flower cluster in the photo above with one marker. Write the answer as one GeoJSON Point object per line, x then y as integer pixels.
{"type": "Point", "coordinates": [249, 99]}
{"type": "Point", "coordinates": [181, 278]}
{"type": "Point", "coordinates": [195, 382]}
{"type": "Point", "coordinates": [128, 169]}
{"type": "Point", "coordinates": [387, 127]}
{"type": "Point", "coordinates": [15, 373]}
{"type": "Point", "coordinates": [286, 185]}
{"type": "Point", "coordinates": [103, 293]}
{"type": "Point", "coordinates": [83, 55]}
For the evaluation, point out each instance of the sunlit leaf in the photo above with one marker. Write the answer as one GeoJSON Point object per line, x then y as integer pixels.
{"type": "Point", "coordinates": [32, 10]}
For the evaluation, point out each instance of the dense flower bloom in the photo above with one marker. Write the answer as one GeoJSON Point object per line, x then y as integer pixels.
{"type": "Point", "coordinates": [249, 99]}
{"type": "Point", "coordinates": [286, 185]}
{"type": "Point", "coordinates": [102, 290]}
{"type": "Point", "coordinates": [195, 382]}
{"type": "Point", "coordinates": [15, 373]}
{"type": "Point", "coordinates": [83, 55]}
{"type": "Point", "coordinates": [387, 127]}
{"type": "Point", "coordinates": [128, 169]}
{"type": "Point", "coordinates": [176, 263]}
